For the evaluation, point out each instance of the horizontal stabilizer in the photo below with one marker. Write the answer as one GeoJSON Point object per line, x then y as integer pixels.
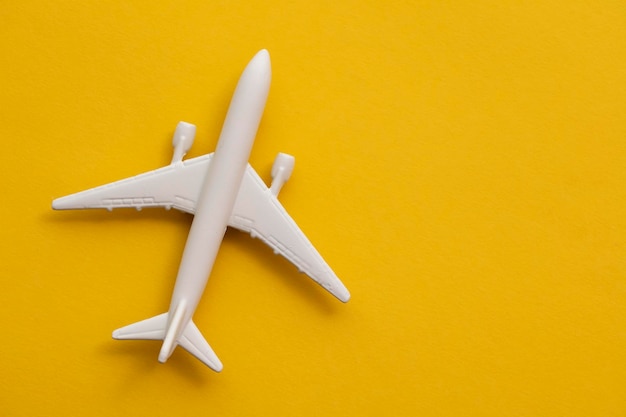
{"type": "Point", "coordinates": [193, 342]}
{"type": "Point", "coordinates": [155, 328]}
{"type": "Point", "coordinates": [149, 329]}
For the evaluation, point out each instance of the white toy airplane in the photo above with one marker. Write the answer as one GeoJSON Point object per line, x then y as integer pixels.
{"type": "Point", "coordinates": [221, 189]}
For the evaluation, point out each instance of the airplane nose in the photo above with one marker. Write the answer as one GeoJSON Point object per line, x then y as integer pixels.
{"type": "Point", "coordinates": [263, 54]}
{"type": "Point", "coordinates": [260, 62]}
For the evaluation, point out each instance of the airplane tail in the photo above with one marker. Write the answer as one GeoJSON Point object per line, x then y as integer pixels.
{"type": "Point", "coordinates": [156, 328]}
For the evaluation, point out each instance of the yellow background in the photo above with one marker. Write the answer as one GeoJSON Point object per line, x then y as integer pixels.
{"type": "Point", "coordinates": [461, 166]}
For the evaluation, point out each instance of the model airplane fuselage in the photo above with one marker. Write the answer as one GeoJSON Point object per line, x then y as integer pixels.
{"type": "Point", "coordinates": [221, 190]}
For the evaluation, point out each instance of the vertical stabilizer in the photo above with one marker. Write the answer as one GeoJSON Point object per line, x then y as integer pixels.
{"type": "Point", "coordinates": [174, 329]}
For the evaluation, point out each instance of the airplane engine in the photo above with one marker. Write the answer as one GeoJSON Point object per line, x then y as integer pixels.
{"type": "Point", "coordinates": [182, 141]}
{"type": "Point", "coordinates": [281, 171]}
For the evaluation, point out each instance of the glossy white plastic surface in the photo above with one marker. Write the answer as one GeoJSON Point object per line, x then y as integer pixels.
{"type": "Point", "coordinates": [221, 189]}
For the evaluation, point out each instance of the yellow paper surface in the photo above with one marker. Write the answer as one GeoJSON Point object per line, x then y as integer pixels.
{"type": "Point", "coordinates": [461, 166]}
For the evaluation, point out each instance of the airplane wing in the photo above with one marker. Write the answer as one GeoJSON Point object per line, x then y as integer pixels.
{"type": "Point", "coordinates": [258, 212]}
{"type": "Point", "coordinates": [176, 185]}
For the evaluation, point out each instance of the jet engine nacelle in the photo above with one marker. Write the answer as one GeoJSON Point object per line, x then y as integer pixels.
{"type": "Point", "coordinates": [281, 171]}
{"type": "Point", "coordinates": [183, 139]}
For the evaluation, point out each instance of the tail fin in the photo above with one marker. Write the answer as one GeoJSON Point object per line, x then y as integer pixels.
{"type": "Point", "coordinates": [156, 328]}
